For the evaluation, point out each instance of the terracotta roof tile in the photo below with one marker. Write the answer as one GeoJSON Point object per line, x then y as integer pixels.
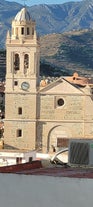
{"type": "Point", "coordinates": [83, 81]}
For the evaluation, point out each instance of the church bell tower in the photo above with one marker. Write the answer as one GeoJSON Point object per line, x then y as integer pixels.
{"type": "Point", "coordinates": [22, 82]}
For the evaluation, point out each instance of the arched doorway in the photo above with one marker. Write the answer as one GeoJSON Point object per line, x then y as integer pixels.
{"type": "Point", "coordinates": [58, 138]}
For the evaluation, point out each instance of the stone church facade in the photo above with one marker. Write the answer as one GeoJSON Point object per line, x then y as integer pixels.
{"type": "Point", "coordinates": [46, 116]}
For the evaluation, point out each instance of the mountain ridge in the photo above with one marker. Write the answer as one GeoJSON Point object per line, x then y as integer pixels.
{"type": "Point", "coordinates": [52, 18]}
{"type": "Point", "coordinates": [63, 54]}
{"type": "Point", "coordinates": [66, 35]}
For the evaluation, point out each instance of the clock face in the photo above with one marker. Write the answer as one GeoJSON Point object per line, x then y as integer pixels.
{"type": "Point", "coordinates": [25, 86]}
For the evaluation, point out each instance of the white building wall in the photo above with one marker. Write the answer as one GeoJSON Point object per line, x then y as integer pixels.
{"type": "Point", "coordinates": [9, 158]}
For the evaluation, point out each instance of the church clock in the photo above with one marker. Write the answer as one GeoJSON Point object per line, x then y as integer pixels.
{"type": "Point", "coordinates": [25, 86]}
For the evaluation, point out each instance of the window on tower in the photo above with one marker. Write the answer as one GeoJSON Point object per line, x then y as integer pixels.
{"type": "Point", "coordinates": [28, 32]}
{"type": "Point", "coordinates": [22, 30]}
{"type": "Point", "coordinates": [16, 62]}
{"type": "Point", "coordinates": [26, 63]}
{"type": "Point", "coordinates": [19, 133]}
{"type": "Point", "coordinates": [15, 83]}
{"type": "Point", "coordinates": [20, 110]}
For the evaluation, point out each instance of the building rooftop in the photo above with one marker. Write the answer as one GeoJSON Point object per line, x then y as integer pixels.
{"type": "Point", "coordinates": [36, 168]}
{"type": "Point", "coordinates": [78, 80]}
{"type": "Point", "coordinates": [74, 79]}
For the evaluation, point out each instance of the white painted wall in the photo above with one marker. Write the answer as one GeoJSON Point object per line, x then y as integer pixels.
{"type": "Point", "coordinates": [9, 158]}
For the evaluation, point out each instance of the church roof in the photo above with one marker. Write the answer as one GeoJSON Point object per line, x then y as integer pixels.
{"type": "Point", "coordinates": [23, 15]}
{"type": "Point", "coordinates": [60, 86]}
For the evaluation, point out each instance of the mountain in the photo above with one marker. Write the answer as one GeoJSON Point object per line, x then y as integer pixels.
{"type": "Point", "coordinates": [7, 11]}
{"type": "Point", "coordinates": [64, 54]}
{"type": "Point", "coordinates": [64, 17]}
{"type": "Point", "coordinates": [66, 35]}
{"type": "Point", "coordinates": [50, 19]}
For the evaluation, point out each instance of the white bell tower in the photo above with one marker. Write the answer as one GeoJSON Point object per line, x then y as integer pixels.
{"type": "Point", "coordinates": [22, 82]}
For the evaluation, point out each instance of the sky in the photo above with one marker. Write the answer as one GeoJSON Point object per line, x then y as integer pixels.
{"type": "Point", "coordinates": [34, 2]}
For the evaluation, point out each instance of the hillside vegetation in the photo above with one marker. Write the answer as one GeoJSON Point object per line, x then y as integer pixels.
{"type": "Point", "coordinates": [68, 52]}
{"type": "Point", "coordinates": [63, 54]}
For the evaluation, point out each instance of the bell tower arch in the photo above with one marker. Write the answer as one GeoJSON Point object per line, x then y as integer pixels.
{"type": "Point", "coordinates": [22, 82]}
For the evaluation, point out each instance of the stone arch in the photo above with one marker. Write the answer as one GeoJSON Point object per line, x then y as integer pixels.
{"type": "Point", "coordinates": [58, 131]}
